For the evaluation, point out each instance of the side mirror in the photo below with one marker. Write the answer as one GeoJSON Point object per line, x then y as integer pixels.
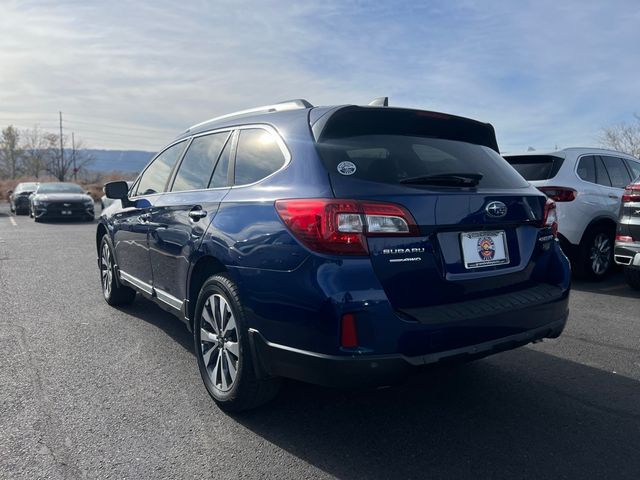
{"type": "Point", "coordinates": [116, 190]}
{"type": "Point", "coordinates": [9, 192]}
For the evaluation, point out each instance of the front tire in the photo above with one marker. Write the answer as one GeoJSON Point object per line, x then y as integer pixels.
{"type": "Point", "coordinates": [632, 276]}
{"type": "Point", "coordinates": [595, 255]}
{"type": "Point", "coordinates": [113, 293]}
{"type": "Point", "coordinates": [223, 351]}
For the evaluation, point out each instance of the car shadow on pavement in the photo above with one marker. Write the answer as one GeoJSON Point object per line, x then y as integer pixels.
{"type": "Point", "coordinates": [520, 414]}
{"type": "Point", "coordinates": [614, 285]}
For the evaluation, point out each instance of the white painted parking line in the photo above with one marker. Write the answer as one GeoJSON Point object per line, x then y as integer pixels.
{"type": "Point", "coordinates": [13, 222]}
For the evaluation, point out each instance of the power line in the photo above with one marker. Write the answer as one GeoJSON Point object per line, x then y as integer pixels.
{"type": "Point", "coordinates": [122, 126]}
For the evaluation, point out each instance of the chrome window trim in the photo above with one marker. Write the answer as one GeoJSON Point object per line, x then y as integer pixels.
{"type": "Point", "coordinates": [137, 180]}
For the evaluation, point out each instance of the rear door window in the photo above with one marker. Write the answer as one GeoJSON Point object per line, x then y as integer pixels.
{"type": "Point", "coordinates": [199, 161]}
{"type": "Point", "coordinates": [602, 177]}
{"type": "Point", "coordinates": [258, 155]}
{"type": "Point", "coordinates": [587, 169]}
{"type": "Point", "coordinates": [536, 167]}
{"type": "Point", "coordinates": [617, 171]}
{"type": "Point", "coordinates": [154, 179]}
{"type": "Point", "coordinates": [634, 167]}
{"type": "Point", "coordinates": [396, 158]}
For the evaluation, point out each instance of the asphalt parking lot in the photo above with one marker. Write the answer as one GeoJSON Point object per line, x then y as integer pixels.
{"type": "Point", "coordinates": [88, 391]}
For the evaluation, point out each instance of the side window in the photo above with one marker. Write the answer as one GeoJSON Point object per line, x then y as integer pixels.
{"type": "Point", "coordinates": [587, 169]}
{"type": "Point", "coordinates": [258, 156]}
{"type": "Point", "coordinates": [618, 173]}
{"type": "Point", "coordinates": [634, 167]}
{"type": "Point", "coordinates": [602, 177]}
{"type": "Point", "coordinates": [220, 175]}
{"type": "Point", "coordinates": [155, 177]}
{"type": "Point", "coordinates": [199, 161]}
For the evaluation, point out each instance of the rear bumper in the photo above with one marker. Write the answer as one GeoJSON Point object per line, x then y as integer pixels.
{"type": "Point", "coordinates": [377, 370]}
{"type": "Point", "coordinates": [627, 254]}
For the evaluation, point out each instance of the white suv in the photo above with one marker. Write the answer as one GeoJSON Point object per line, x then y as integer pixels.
{"type": "Point", "coordinates": [587, 184]}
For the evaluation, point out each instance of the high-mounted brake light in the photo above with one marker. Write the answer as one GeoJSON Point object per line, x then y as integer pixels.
{"type": "Point", "coordinates": [559, 194]}
{"type": "Point", "coordinates": [631, 193]}
{"type": "Point", "coordinates": [550, 219]}
{"type": "Point", "coordinates": [340, 226]}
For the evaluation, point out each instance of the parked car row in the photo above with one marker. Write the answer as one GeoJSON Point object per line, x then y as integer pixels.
{"type": "Point", "coordinates": [627, 248]}
{"type": "Point", "coordinates": [588, 186]}
{"type": "Point", "coordinates": [52, 200]}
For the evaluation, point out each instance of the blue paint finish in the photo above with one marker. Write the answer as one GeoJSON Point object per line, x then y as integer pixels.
{"type": "Point", "coordinates": [296, 297]}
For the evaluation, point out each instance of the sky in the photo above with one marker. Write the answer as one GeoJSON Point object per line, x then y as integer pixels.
{"type": "Point", "coordinates": [132, 75]}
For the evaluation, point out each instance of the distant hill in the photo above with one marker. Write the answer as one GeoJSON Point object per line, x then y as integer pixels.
{"type": "Point", "coordinates": [118, 160]}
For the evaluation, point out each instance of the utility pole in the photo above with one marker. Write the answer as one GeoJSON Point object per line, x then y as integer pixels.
{"type": "Point", "coordinates": [61, 169]}
{"type": "Point", "coordinates": [73, 153]}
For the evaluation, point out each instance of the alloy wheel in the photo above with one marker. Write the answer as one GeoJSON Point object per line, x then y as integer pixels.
{"type": "Point", "coordinates": [219, 346]}
{"type": "Point", "coordinates": [600, 254]}
{"type": "Point", "coordinates": [106, 270]}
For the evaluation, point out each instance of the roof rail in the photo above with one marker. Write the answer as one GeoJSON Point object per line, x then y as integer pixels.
{"type": "Point", "coordinates": [295, 104]}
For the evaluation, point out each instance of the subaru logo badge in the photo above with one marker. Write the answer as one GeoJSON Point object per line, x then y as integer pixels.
{"type": "Point", "coordinates": [496, 209]}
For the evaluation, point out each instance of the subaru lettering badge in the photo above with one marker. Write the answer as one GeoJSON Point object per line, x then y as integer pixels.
{"type": "Point", "coordinates": [496, 209]}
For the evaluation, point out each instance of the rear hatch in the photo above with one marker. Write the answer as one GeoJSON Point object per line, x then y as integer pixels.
{"type": "Point", "coordinates": [478, 222]}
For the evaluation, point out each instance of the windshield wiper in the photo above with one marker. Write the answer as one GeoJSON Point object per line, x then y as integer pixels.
{"type": "Point", "coordinates": [447, 179]}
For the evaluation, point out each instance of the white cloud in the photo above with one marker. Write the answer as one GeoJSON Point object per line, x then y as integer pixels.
{"type": "Point", "coordinates": [543, 74]}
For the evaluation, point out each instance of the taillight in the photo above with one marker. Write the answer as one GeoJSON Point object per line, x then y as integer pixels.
{"type": "Point", "coordinates": [559, 194]}
{"type": "Point", "coordinates": [624, 238]}
{"type": "Point", "coordinates": [341, 226]}
{"type": "Point", "coordinates": [631, 193]}
{"type": "Point", "coordinates": [550, 219]}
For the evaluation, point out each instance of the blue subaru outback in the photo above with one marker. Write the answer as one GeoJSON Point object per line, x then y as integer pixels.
{"type": "Point", "coordinates": [342, 245]}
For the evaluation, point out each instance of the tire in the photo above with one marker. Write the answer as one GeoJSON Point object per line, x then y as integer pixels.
{"type": "Point", "coordinates": [220, 355]}
{"type": "Point", "coordinates": [113, 293]}
{"type": "Point", "coordinates": [632, 276]}
{"type": "Point", "coordinates": [594, 259]}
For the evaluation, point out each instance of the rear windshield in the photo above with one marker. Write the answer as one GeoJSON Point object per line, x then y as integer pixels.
{"type": "Point", "coordinates": [536, 167]}
{"type": "Point", "coordinates": [394, 158]}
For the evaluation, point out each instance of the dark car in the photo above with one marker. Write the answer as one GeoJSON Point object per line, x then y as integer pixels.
{"type": "Point", "coordinates": [627, 248]}
{"type": "Point", "coordinates": [60, 200]}
{"type": "Point", "coordinates": [341, 246]}
{"type": "Point", "coordinates": [19, 198]}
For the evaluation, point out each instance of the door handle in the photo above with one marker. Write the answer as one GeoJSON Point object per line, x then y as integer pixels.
{"type": "Point", "coordinates": [196, 213]}
{"type": "Point", "coordinates": [615, 197]}
{"type": "Point", "coordinates": [145, 217]}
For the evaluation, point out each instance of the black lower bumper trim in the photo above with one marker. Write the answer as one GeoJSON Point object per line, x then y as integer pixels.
{"type": "Point", "coordinates": [371, 370]}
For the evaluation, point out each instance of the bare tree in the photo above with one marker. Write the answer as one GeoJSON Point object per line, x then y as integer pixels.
{"type": "Point", "coordinates": [623, 137]}
{"type": "Point", "coordinates": [10, 152]}
{"type": "Point", "coordinates": [38, 149]}
{"type": "Point", "coordinates": [62, 163]}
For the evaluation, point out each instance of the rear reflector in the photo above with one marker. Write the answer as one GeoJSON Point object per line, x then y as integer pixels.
{"type": "Point", "coordinates": [631, 193]}
{"type": "Point", "coordinates": [559, 194]}
{"type": "Point", "coordinates": [348, 334]}
{"type": "Point", "coordinates": [340, 226]}
{"type": "Point", "coordinates": [624, 238]}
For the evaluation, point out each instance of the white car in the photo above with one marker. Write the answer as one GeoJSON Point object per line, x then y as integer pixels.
{"type": "Point", "coordinates": [587, 185]}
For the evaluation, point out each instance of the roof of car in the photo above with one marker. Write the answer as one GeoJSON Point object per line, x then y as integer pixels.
{"type": "Point", "coordinates": [561, 151]}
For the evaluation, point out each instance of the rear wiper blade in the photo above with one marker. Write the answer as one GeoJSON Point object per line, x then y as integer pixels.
{"type": "Point", "coordinates": [449, 179]}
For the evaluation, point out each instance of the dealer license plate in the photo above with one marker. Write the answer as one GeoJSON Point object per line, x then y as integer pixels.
{"type": "Point", "coordinates": [484, 249]}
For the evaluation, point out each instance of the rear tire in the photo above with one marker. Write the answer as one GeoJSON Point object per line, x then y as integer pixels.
{"type": "Point", "coordinates": [632, 276]}
{"type": "Point", "coordinates": [594, 256]}
{"type": "Point", "coordinates": [113, 293]}
{"type": "Point", "coordinates": [221, 340]}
